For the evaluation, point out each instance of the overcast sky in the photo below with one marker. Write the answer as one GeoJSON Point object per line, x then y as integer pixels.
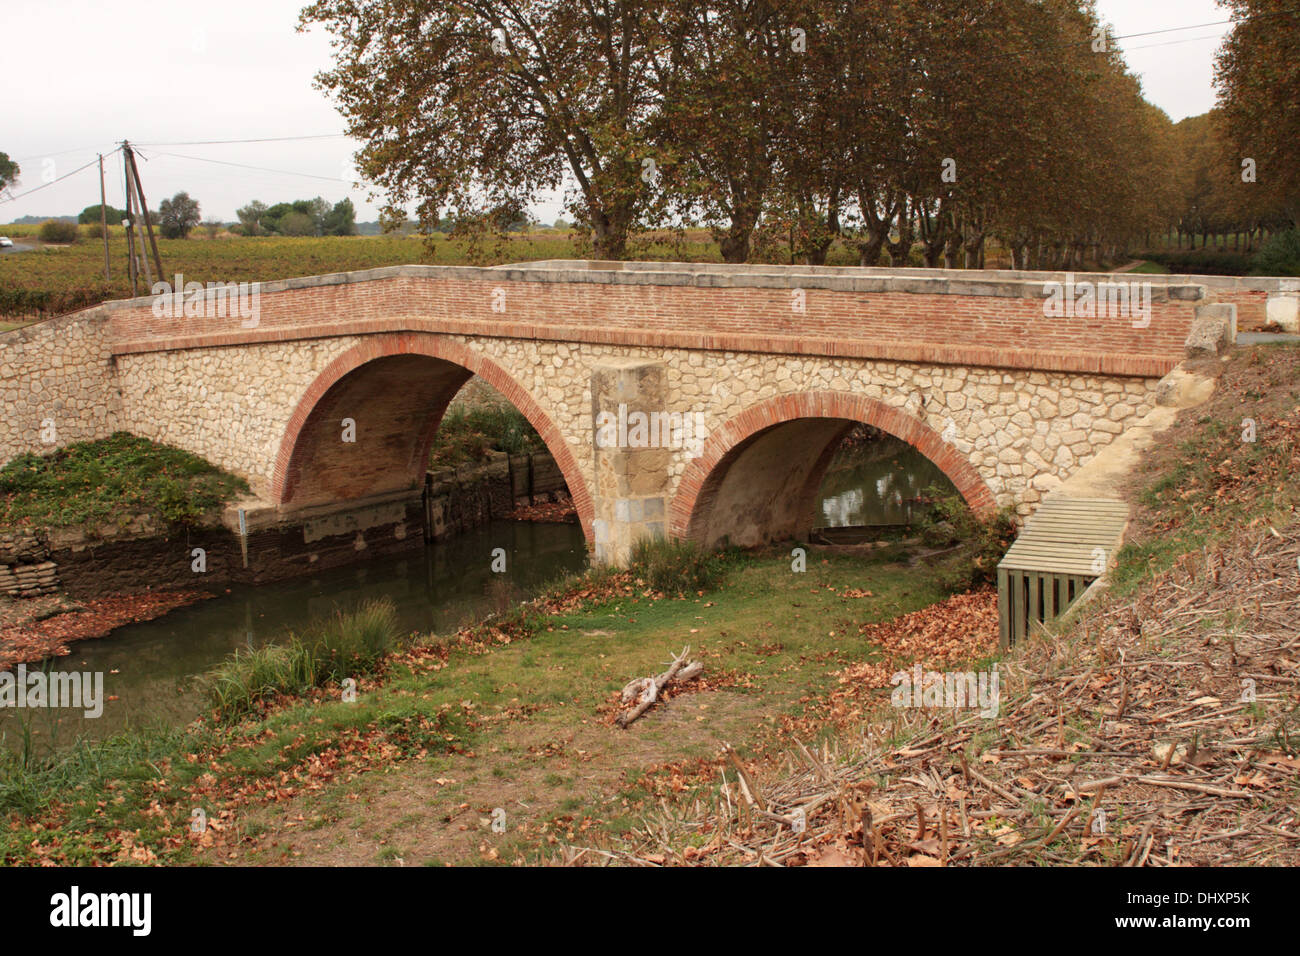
{"type": "Point", "coordinates": [73, 85]}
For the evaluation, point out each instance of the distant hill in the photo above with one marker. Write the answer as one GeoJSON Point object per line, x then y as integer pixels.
{"type": "Point", "coordinates": [37, 220]}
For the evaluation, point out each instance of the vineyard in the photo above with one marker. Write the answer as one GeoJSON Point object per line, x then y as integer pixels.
{"type": "Point", "coordinates": [55, 279]}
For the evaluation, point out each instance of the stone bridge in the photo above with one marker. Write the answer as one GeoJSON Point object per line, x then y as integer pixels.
{"type": "Point", "coordinates": [329, 398]}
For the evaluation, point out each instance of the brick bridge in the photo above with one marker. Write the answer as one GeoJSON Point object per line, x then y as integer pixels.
{"type": "Point", "coordinates": [774, 363]}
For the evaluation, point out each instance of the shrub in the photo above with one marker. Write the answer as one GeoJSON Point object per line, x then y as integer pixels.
{"type": "Point", "coordinates": [1280, 256]}
{"type": "Point", "coordinates": [1204, 262]}
{"type": "Point", "coordinates": [55, 230]}
{"type": "Point", "coordinates": [677, 567]}
{"type": "Point", "coordinates": [982, 540]}
{"type": "Point", "coordinates": [348, 644]}
{"type": "Point", "coordinates": [468, 434]}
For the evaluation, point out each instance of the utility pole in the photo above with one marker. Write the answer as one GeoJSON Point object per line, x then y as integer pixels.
{"type": "Point", "coordinates": [103, 215]}
{"type": "Point", "coordinates": [132, 267]}
{"type": "Point", "coordinates": [144, 208]}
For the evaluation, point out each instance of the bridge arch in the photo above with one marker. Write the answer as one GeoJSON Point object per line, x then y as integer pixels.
{"type": "Point", "coordinates": [765, 465]}
{"type": "Point", "coordinates": [396, 387]}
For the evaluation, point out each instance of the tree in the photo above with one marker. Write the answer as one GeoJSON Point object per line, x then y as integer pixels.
{"type": "Point", "coordinates": [90, 215]}
{"type": "Point", "coordinates": [9, 171]}
{"type": "Point", "coordinates": [250, 217]}
{"type": "Point", "coordinates": [723, 105]}
{"type": "Point", "coordinates": [341, 220]}
{"type": "Point", "coordinates": [177, 216]}
{"type": "Point", "coordinates": [476, 107]}
{"type": "Point", "coordinates": [296, 223]}
{"type": "Point", "coordinates": [1257, 76]}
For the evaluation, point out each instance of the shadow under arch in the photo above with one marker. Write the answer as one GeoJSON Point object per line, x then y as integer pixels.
{"type": "Point", "coordinates": [757, 476]}
{"type": "Point", "coordinates": [395, 387]}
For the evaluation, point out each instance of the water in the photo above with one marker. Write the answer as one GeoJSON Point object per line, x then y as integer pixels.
{"type": "Point", "coordinates": [150, 667]}
{"type": "Point", "coordinates": [877, 483]}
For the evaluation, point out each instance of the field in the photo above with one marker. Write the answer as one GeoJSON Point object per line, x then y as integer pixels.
{"type": "Point", "coordinates": [61, 278]}
{"type": "Point", "coordinates": [55, 279]}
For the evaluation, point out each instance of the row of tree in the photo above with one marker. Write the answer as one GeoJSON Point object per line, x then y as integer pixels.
{"type": "Point", "coordinates": [1236, 166]}
{"type": "Point", "coordinates": [302, 217]}
{"type": "Point", "coordinates": [934, 123]}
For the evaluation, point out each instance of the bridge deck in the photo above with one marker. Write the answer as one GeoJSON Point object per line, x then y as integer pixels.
{"type": "Point", "coordinates": [1063, 548]}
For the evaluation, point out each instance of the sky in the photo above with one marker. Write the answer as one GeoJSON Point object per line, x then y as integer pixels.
{"type": "Point", "coordinates": [74, 85]}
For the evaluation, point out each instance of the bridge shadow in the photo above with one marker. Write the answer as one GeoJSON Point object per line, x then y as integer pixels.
{"type": "Point", "coordinates": [760, 477]}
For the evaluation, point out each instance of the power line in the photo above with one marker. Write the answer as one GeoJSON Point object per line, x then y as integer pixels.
{"type": "Point", "coordinates": [1152, 46]}
{"type": "Point", "coordinates": [271, 139]}
{"type": "Point", "coordinates": [37, 189]}
{"type": "Point", "coordinates": [264, 169]}
{"type": "Point", "coordinates": [1198, 26]}
{"type": "Point", "coordinates": [83, 149]}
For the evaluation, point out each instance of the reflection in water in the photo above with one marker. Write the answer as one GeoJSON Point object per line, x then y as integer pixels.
{"type": "Point", "coordinates": [150, 667]}
{"type": "Point", "coordinates": [878, 482]}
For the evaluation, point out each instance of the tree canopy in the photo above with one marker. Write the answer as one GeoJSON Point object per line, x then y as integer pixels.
{"type": "Point", "coordinates": [888, 125]}
{"type": "Point", "coordinates": [178, 215]}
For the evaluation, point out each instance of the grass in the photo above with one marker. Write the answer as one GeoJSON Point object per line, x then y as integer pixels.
{"type": "Point", "coordinates": [1204, 481]}
{"type": "Point", "coordinates": [771, 636]}
{"type": "Point", "coordinates": [347, 644]}
{"type": "Point", "coordinates": [1149, 268]}
{"type": "Point", "coordinates": [110, 481]}
{"type": "Point", "coordinates": [468, 434]}
{"type": "Point", "coordinates": [677, 567]}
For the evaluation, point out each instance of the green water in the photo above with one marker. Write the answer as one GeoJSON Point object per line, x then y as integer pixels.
{"type": "Point", "coordinates": [150, 667]}
{"type": "Point", "coordinates": [878, 484]}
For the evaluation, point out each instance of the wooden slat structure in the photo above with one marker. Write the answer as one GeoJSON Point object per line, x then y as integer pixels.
{"type": "Point", "coordinates": [1063, 548]}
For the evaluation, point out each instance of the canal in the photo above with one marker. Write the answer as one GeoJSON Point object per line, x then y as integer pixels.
{"type": "Point", "coordinates": [150, 669]}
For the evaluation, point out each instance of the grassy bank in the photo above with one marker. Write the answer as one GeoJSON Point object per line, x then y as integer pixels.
{"type": "Point", "coordinates": [342, 646]}
{"type": "Point", "coordinates": [110, 481]}
{"type": "Point", "coordinates": [1157, 726]}
{"type": "Point", "coordinates": [514, 713]}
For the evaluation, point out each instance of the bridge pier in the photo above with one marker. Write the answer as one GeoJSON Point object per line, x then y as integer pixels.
{"type": "Point", "coordinates": [630, 483]}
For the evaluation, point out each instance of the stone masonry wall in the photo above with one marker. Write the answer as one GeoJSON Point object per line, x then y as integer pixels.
{"type": "Point", "coordinates": [57, 384]}
{"type": "Point", "coordinates": [1024, 431]}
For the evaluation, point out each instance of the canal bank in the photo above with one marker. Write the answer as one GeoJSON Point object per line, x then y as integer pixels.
{"type": "Point", "coordinates": [71, 583]}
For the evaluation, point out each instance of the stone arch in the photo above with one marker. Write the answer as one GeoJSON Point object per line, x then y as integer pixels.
{"type": "Point", "coordinates": [423, 373]}
{"type": "Point", "coordinates": [779, 450]}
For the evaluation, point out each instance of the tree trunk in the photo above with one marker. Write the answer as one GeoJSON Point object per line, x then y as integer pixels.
{"type": "Point", "coordinates": [869, 251]}
{"type": "Point", "coordinates": [900, 251]}
{"type": "Point", "coordinates": [736, 241]}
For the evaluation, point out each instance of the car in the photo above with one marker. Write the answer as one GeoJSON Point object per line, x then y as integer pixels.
{"type": "Point", "coordinates": [5, 242]}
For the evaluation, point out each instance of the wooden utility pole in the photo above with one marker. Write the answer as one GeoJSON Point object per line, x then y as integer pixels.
{"type": "Point", "coordinates": [132, 266]}
{"type": "Point", "coordinates": [144, 208]}
{"type": "Point", "coordinates": [103, 215]}
{"type": "Point", "coordinates": [138, 232]}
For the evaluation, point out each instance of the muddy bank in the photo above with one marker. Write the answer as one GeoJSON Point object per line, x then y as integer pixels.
{"type": "Point", "coordinates": [46, 630]}
{"type": "Point", "coordinates": [65, 585]}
